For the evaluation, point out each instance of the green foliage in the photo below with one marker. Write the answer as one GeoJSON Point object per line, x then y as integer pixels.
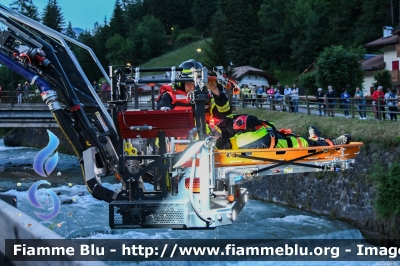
{"type": "Point", "coordinates": [202, 12]}
{"type": "Point", "coordinates": [308, 82]}
{"type": "Point", "coordinates": [175, 31]}
{"type": "Point", "coordinates": [382, 78]}
{"type": "Point", "coordinates": [118, 22]}
{"type": "Point", "coordinates": [368, 28]}
{"type": "Point", "coordinates": [101, 34]}
{"type": "Point", "coordinates": [238, 38]}
{"type": "Point", "coordinates": [218, 54]}
{"type": "Point", "coordinates": [388, 186]}
{"type": "Point", "coordinates": [184, 39]}
{"type": "Point", "coordinates": [307, 16]}
{"type": "Point", "coordinates": [339, 68]}
{"type": "Point", "coordinates": [85, 59]}
{"type": "Point", "coordinates": [267, 34]}
{"type": "Point", "coordinates": [285, 76]}
{"type": "Point", "coordinates": [117, 47]}
{"type": "Point", "coordinates": [4, 131]}
{"type": "Point", "coordinates": [52, 16]}
{"type": "Point", "coordinates": [175, 58]}
{"type": "Point", "coordinates": [149, 38]}
{"type": "Point", "coordinates": [27, 8]}
{"type": "Point", "coordinates": [273, 27]}
{"type": "Point", "coordinates": [69, 31]}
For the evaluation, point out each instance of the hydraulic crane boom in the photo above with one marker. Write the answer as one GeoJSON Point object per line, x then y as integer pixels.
{"type": "Point", "coordinates": [43, 57]}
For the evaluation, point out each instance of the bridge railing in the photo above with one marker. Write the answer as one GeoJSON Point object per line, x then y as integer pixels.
{"type": "Point", "coordinates": [372, 108]}
{"type": "Point", "coordinates": [7, 96]}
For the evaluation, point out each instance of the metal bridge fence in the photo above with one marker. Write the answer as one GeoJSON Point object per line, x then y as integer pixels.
{"type": "Point", "coordinates": [309, 105]}
{"type": "Point", "coordinates": [11, 97]}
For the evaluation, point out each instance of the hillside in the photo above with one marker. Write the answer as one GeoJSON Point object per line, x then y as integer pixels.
{"type": "Point", "coordinates": [176, 57]}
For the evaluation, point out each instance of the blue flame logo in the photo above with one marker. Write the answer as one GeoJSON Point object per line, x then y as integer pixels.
{"type": "Point", "coordinates": [49, 166]}
{"type": "Point", "coordinates": [44, 153]}
{"type": "Point", "coordinates": [34, 201]}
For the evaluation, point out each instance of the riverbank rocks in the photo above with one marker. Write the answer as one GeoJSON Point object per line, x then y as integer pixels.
{"type": "Point", "coordinates": [37, 137]}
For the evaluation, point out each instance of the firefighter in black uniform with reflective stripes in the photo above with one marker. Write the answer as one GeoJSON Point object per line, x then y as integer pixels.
{"type": "Point", "coordinates": [219, 107]}
{"type": "Point", "coordinates": [174, 97]}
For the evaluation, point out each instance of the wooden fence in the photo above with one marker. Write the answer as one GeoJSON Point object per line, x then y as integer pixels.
{"type": "Point", "coordinates": [311, 105]}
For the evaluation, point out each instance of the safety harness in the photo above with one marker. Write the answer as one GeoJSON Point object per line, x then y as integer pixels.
{"type": "Point", "coordinates": [179, 97]}
{"type": "Point", "coordinates": [290, 136]}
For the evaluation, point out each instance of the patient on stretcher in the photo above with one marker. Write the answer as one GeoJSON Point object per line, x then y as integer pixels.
{"type": "Point", "coordinates": [248, 132]}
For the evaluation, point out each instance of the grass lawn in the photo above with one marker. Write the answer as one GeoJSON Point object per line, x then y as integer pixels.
{"type": "Point", "coordinates": [376, 131]}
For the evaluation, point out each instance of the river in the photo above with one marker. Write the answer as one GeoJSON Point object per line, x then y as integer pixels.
{"type": "Point", "coordinates": [82, 216]}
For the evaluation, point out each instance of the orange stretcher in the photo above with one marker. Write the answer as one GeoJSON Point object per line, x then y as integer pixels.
{"type": "Point", "coordinates": [243, 157]}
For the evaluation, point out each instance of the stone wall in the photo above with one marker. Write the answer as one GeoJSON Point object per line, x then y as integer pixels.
{"type": "Point", "coordinates": [347, 195]}
{"type": "Point", "coordinates": [37, 137]}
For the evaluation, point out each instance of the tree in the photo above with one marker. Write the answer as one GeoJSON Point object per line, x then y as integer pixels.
{"type": "Point", "coordinates": [374, 15]}
{"type": "Point", "coordinates": [275, 34]}
{"type": "Point", "coordinates": [120, 52]}
{"type": "Point", "coordinates": [202, 12]}
{"type": "Point", "coordinates": [149, 38]}
{"type": "Point", "coordinates": [85, 59]}
{"type": "Point", "coordinates": [308, 82]}
{"type": "Point", "coordinates": [218, 54]}
{"type": "Point", "coordinates": [306, 19]}
{"type": "Point", "coordinates": [241, 31]}
{"type": "Point", "coordinates": [339, 68]}
{"type": "Point", "coordinates": [101, 34]}
{"type": "Point", "coordinates": [69, 31]}
{"type": "Point", "coordinates": [52, 16]}
{"type": "Point", "coordinates": [118, 23]}
{"type": "Point", "coordinates": [383, 78]}
{"type": "Point", "coordinates": [27, 8]}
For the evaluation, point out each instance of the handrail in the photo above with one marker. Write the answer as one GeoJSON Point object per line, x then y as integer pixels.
{"type": "Point", "coordinates": [310, 102]}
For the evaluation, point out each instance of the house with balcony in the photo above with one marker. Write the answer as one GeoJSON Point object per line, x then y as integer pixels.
{"type": "Point", "coordinates": [389, 60]}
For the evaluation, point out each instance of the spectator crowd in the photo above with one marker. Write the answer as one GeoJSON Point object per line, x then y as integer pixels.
{"type": "Point", "coordinates": [329, 102]}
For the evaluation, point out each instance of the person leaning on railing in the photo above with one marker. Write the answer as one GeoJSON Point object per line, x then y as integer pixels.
{"type": "Point", "coordinates": [391, 102]}
{"type": "Point", "coordinates": [345, 96]}
{"type": "Point", "coordinates": [287, 92]}
{"type": "Point", "coordinates": [270, 96]}
{"type": "Point", "coordinates": [378, 95]}
{"type": "Point", "coordinates": [320, 96]}
{"type": "Point", "coordinates": [295, 99]}
{"type": "Point", "coordinates": [331, 101]}
{"type": "Point", "coordinates": [360, 101]}
{"type": "Point", "coordinates": [278, 99]}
